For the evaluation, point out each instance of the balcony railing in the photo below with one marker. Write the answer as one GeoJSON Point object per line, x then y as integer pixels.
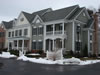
{"type": "Point", "coordinates": [55, 32]}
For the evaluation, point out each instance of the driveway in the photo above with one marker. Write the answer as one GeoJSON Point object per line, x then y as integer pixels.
{"type": "Point", "coordinates": [16, 67]}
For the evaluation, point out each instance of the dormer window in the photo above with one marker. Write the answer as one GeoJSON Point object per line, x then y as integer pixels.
{"type": "Point", "coordinates": [22, 19]}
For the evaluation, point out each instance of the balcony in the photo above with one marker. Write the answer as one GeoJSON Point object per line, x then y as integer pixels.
{"type": "Point", "coordinates": [55, 32]}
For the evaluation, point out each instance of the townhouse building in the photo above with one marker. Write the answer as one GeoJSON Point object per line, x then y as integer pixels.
{"type": "Point", "coordinates": [69, 29]}
{"type": "Point", "coordinates": [2, 38]}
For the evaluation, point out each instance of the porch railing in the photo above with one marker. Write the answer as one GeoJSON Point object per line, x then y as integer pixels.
{"type": "Point", "coordinates": [55, 32]}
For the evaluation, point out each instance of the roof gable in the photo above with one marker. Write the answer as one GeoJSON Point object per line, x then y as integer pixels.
{"type": "Point", "coordinates": [22, 20]}
{"type": "Point", "coordinates": [37, 19]}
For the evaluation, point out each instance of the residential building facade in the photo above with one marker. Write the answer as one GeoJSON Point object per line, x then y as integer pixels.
{"type": "Point", "coordinates": [67, 29]}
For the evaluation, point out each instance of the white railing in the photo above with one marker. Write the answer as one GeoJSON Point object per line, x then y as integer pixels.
{"type": "Point", "coordinates": [49, 33]}
{"type": "Point", "coordinates": [58, 32]}
{"type": "Point", "coordinates": [55, 32]}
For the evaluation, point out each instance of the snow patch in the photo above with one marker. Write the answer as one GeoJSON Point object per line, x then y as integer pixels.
{"type": "Point", "coordinates": [6, 55]}
{"type": "Point", "coordinates": [69, 61]}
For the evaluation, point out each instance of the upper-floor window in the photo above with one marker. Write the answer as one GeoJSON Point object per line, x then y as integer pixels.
{"type": "Point", "coordinates": [9, 34]}
{"type": "Point", "coordinates": [78, 28]}
{"type": "Point", "coordinates": [25, 31]}
{"type": "Point", "coordinates": [20, 32]}
{"type": "Point", "coordinates": [34, 31]}
{"type": "Point", "coordinates": [90, 36]}
{"type": "Point", "coordinates": [16, 33]}
{"type": "Point", "coordinates": [40, 30]}
{"type": "Point", "coordinates": [12, 33]}
{"type": "Point", "coordinates": [2, 34]}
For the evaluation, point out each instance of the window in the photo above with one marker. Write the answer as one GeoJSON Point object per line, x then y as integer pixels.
{"type": "Point", "coordinates": [25, 31]}
{"type": "Point", "coordinates": [40, 30]}
{"type": "Point", "coordinates": [12, 33]}
{"type": "Point", "coordinates": [91, 36]}
{"type": "Point", "coordinates": [78, 28]}
{"type": "Point", "coordinates": [40, 45]}
{"type": "Point", "coordinates": [90, 46]}
{"type": "Point", "coordinates": [20, 32]}
{"type": "Point", "coordinates": [34, 31]}
{"type": "Point", "coordinates": [16, 33]}
{"type": "Point", "coordinates": [9, 34]}
{"type": "Point", "coordinates": [2, 34]}
{"type": "Point", "coordinates": [34, 45]}
{"type": "Point", "coordinates": [15, 43]}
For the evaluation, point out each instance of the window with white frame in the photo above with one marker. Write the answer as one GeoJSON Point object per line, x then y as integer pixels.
{"type": "Point", "coordinates": [12, 33]}
{"type": "Point", "coordinates": [9, 34]}
{"type": "Point", "coordinates": [25, 31]}
{"type": "Point", "coordinates": [34, 31]}
{"type": "Point", "coordinates": [16, 32]}
{"type": "Point", "coordinates": [20, 32]}
{"type": "Point", "coordinates": [34, 45]}
{"type": "Point", "coordinates": [40, 30]}
{"type": "Point", "coordinates": [90, 36]}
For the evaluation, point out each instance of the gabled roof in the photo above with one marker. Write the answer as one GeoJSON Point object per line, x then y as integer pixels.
{"type": "Point", "coordinates": [8, 25]}
{"type": "Point", "coordinates": [30, 17]}
{"type": "Point", "coordinates": [89, 23]}
{"type": "Point", "coordinates": [75, 13]}
{"type": "Point", "coordinates": [58, 14]}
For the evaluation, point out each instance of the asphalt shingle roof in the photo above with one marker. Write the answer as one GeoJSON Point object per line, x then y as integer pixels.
{"type": "Point", "coordinates": [58, 14]}
{"type": "Point", "coordinates": [89, 23]}
{"type": "Point", "coordinates": [8, 25]}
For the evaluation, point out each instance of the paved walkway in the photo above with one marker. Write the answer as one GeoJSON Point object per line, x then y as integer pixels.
{"type": "Point", "coordinates": [16, 67]}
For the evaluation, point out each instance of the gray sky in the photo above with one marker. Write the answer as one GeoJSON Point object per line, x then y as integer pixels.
{"type": "Point", "coordinates": [10, 9]}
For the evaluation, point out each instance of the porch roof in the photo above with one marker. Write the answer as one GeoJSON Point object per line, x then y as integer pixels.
{"type": "Point", "coordinates": [19, 38]}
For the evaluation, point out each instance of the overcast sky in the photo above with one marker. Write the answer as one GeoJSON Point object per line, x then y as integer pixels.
{"type": "Point", "coordinates": [10, 9]}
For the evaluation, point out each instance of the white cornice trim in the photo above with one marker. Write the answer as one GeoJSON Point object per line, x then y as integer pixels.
{"type": "Point", "coordinates": [36, 17]}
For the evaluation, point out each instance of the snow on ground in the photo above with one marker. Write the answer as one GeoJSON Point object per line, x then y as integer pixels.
{"type": "Point", "coordinates": [33, 54]}
{"type": "Point", "coordinates": [6, 55]}
{"type": "Point", "coordinates": [70, 61]}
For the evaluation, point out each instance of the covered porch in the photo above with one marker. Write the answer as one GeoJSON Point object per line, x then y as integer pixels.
{"type": "Point", "coordinates": [18, 44]}
{"type": "Point", "coordinates": [55, 44]}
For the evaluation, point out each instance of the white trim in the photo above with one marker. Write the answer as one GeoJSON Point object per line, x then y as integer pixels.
{"type": "Point", "coordinates": [79, 13]}
{"type": "Point", "coordinates": [88, 41]}
{"type": "Point", "coordinates": [80, 22]}
{"type": "Point", "coordinates": [73, 34]}
{"type": "Point", "coordinates": [39, 40]}
{"type": "Point", "coordinates": [34, 27]}
{"type": "Point", "coordinates": [34, 40]}
{"type": "Point", "coordinates": [40, 26]}
{"type": "Point", "coordinates": [37, 17]}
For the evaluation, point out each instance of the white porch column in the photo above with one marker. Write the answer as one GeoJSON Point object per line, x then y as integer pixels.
{"type": "Point", "coordinates": [17, 44]}
{"type": "Point", "coordinates": [8, 45]}
{"type": "Point", "coordinates": [49, 45]}
{"type": "Point", "coordinates": [22, 45]}
{"type": "Point", "coordinates": [63, 28]}
{"type": "Point", "coordinates": [12, 44]}
{"type": "Point", "coordinates": [62, 43]}
{"type": "Point", "coordinates": [53, 45]}
{"type": "Point", "coordinates": [53, 29]}
{"type": "Point", "coordinates": [44, 41]}
{"type": "Point", "coordinates": [73, 38]}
